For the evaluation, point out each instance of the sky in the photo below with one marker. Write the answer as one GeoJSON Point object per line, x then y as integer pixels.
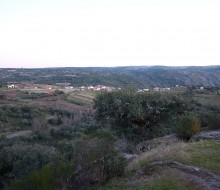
{"type": "Point", "coordinates": [101, 33]}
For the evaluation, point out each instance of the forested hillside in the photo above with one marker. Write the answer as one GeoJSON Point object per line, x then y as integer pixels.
{"type": "Point", "coordinates": [141, 77]}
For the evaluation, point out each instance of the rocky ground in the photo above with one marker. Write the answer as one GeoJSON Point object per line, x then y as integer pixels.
{"type": "Point", "coordinates": [166, 157]}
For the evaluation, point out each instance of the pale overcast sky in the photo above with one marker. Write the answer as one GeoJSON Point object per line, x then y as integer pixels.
{"type": "Point", "coordinates": [73, 33]}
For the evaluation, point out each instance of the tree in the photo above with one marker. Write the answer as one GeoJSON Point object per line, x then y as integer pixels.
{"type": "Point", "coordinates": [137, 115]}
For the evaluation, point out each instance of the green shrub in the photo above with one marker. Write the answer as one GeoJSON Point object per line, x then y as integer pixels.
{"type": "Point", "coordinates": [187, 126]}
{"type": "Point", "coordinates": [20, 160]}
{"type": "Point", "coordinates": [67, 149]}
{"type": "Point", "coordinates": [97, 162]}
{"type": "Point", "coordinates": [48, 178]}
{"type": "Point", "coordinates": [62, 133]}
{"type": "Point", "coordinates": [214, 122]}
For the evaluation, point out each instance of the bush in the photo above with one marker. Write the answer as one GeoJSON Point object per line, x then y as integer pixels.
{"type": "Point", "coordinates": [48, 178]}
{"type": "Point", "coordinates": [214, 122]}
{"type": "Point", "coordinates": [97, 162]}
{"type": "Point", "coordinates": [62, 133]}
{"type": "Point", "coordinates": [20, 160]}
{"type": "Point", "coordinates": [187, 126]}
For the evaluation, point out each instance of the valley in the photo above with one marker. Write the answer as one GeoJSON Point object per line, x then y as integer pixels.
{"type": "Point", "coordinates": [69, 131]}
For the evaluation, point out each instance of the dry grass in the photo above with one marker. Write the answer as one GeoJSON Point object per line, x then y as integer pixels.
{"type": "Point", "coordinates": [162, 152]}
{"type": "Point", "coordinates": [205, 154]}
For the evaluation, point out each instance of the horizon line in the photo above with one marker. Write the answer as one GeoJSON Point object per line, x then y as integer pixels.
{"type": "Point", "coordinates": [57, 67]}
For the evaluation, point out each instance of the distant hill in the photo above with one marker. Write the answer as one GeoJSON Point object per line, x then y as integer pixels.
{"type": "Point", "coordinates": [138, 76]}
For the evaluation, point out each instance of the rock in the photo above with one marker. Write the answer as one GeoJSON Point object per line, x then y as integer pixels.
{"type": "Point", "coordinates": [19, 134]}
{"type": "Point", "coordinates": [206, 135]}
{"type": "Point", "coordinates": [130, 157]}
{"type": "Point", "coordinates": [150, 144]}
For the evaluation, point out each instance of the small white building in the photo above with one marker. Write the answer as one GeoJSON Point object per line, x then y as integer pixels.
{"type": "Point", "coordinates": [90, 87]}
{"type": "Point", "coordinates": [12, 86]}
{"type": "Point", "coordinates": [145, 89]}
{"type": "Point", "coordinates": [82, 88]}
{"type": "Point", "coordinates": [165, 89]}
{"type": "Point", "coordinates": [156, 89]}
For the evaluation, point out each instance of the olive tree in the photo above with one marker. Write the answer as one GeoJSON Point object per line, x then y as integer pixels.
{"type": "Point", "coordinates": [139, 115]}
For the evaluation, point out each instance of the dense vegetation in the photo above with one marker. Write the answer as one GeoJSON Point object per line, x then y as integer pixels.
{"type": "Point", "coordinates": [140, 116]}
{"type": "Point", "coordinates": [77, 143]}
{"type": "Point", "coordinates": [187, 126]}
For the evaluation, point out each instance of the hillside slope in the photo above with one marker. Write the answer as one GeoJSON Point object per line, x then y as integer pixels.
{"type": "Point", "coordinates": [138, 76]}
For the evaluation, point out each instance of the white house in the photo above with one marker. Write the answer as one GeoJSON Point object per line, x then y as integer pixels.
{"type": "Point", "coordinates": [12, 86]}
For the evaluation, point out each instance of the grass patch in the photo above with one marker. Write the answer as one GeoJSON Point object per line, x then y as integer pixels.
{"type": "Point", "coordinates": [82, 98]}
{"type": "Point", "coordinates": [113, 185]}
{"type": "Point", "coordinates": [205, 154]}
{"type": "Point", "coordinates": [77, 101]}
{"type": "Point", "coordinates": [164, 182]}
{"type": "Point", "coordinates": [90, 93]}
{"type": "Point", "coordinates": [212, 100]}
{"type": "Point", "coordinates": [162, 152]}
{"type": "Point", "coordinates": [167, 183]}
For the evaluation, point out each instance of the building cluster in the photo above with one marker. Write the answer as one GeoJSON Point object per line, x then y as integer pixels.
{"type": "Point", "coordinates": [143, 90]}
{"type": "Point", "coordinates": [28, 85]}
{"type": "Point", "coordinates": [59, 86]}
{"type": "Point", "coordinates": [67, 87]}
{"type": "Point", "coordinates": [156, 89]}
{"type": "Point", "coordinates": [98, 88]}
{"type": "Point", "coordinates": [161, 89]}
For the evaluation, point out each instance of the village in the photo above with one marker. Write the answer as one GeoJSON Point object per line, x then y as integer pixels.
{"type": "Point", "coordinates": [66, 87]}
